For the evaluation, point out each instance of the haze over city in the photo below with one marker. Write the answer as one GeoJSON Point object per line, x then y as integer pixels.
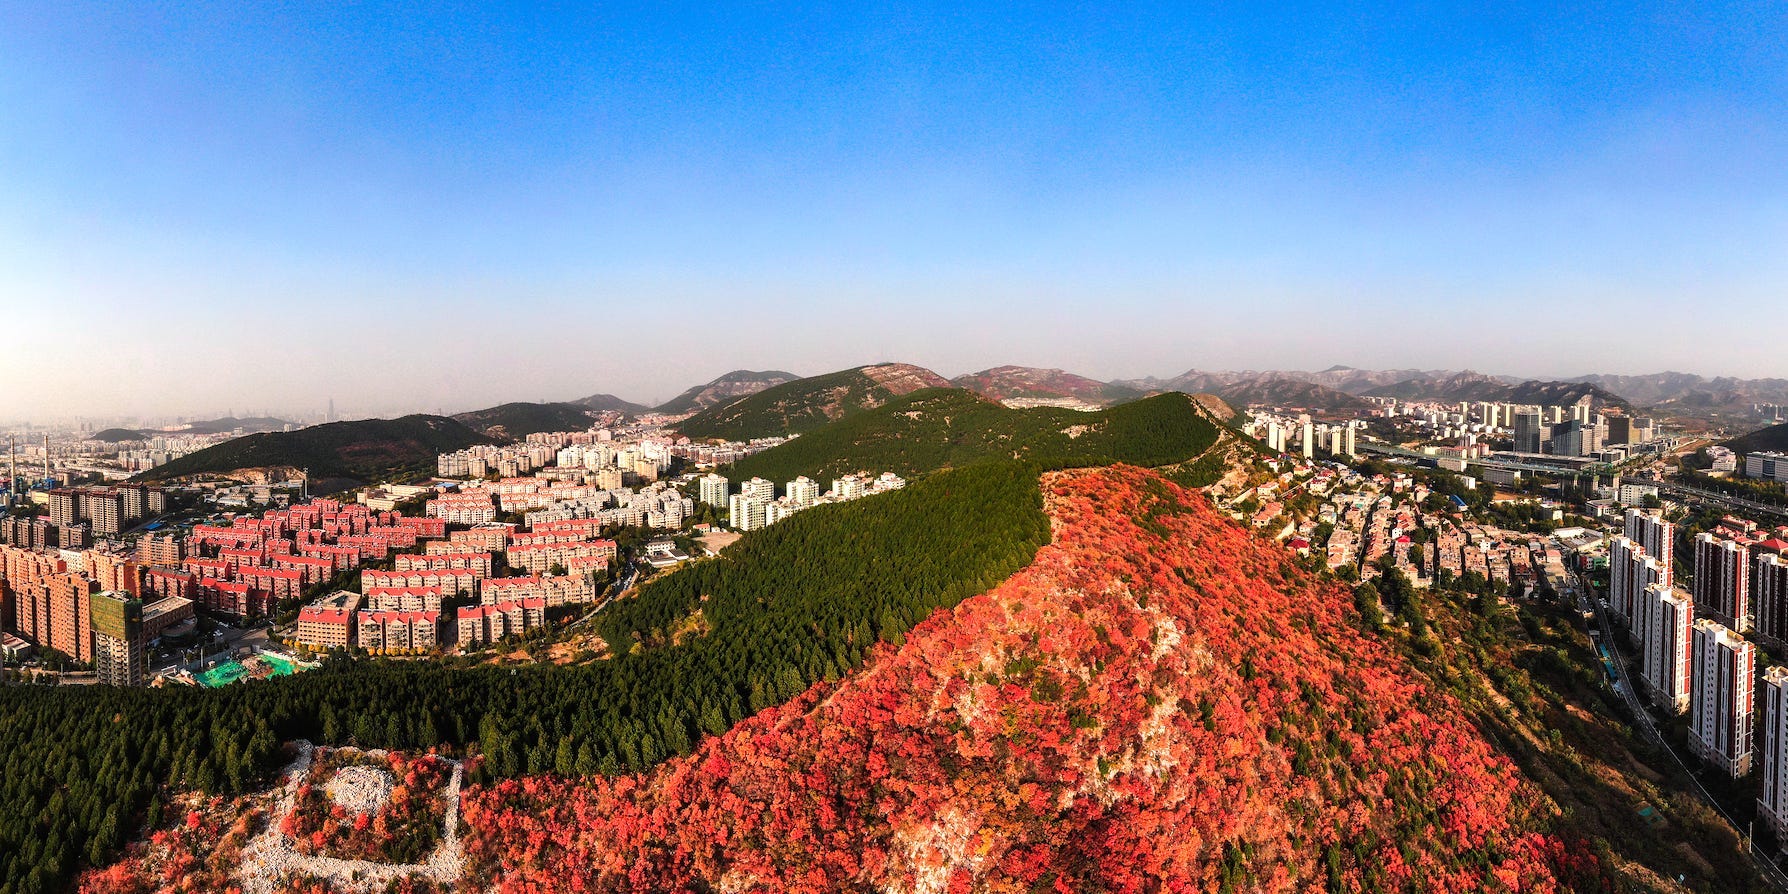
{"type": "Point", "coordinates": [391, 207]}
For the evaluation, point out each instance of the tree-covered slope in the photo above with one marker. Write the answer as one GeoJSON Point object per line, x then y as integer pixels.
{"type": "Point", "coordinates": [366, 449]}
{"type": "Point", "coordinates": [514, 421]}
{"type": "Point", "coordinates": [1773, 438]}
{"type": "Point", "coordinates": [947, 427]}
{"type": "Point", "coordinates": [118, 435]}
{"type": "Point", "coordinates": [806, 404]}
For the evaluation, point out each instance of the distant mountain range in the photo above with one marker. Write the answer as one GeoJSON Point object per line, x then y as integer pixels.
{"type": "Point", "coordinates": [1009, 382]}
{"type": "Point", "coordinates": [730, 387]}
{"type": "Point", "coordinates": [1469, 386]}
{"type": "Point", "coordinates": [1691, 394]}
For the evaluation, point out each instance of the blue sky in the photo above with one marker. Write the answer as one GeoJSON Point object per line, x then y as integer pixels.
{"type": "Point", "coordinates": [435, 206]}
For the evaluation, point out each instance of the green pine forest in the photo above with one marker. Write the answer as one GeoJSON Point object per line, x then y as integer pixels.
{"type": "Point", "coordinates": [938, 428]}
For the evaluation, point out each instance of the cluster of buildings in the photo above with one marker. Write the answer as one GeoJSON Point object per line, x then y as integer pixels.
{"type": "Point", "coordinates": [91, 605]}
{"type": "Point", "coordinates": [756, 504]}
{"type": "Point", "coordinates": [1707, 667]}
{"type": "Point", "coordinates": [1302, 434]}
{"type": "Point", "coordinates": [557, 494]}
{"type": "Point", "coordinates": [77, 517]}
{"type": "Point", "coordinates": [515, 574]}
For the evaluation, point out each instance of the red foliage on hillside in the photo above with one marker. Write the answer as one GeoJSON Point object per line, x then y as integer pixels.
{"type": "Point", "coordinates": [1160, 702]}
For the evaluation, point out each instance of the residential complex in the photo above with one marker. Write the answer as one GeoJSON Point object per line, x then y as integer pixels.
{"type": "Point", "coordinates": [1666, 619]}
{"type": "Point", "coordinates": [1720, 714]}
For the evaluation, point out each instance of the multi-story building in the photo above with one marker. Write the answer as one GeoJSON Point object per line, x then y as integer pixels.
{"type": "Point", "coordinates": [803, 491]}
{"type": "Point", "coordinates": [396, 631]}
{"type": "Point", "coordinates": [328, 624]}
{"type": "Point", "coordinates": [489, 623]}
{"type": "Point", "coordinates": [1669, 617]}
{"type": "Point", "coordinates": [1657, 535]}
{"type": "Point", "coordinates": [1772, 751]}
{"type": "Point", "coordinates": [71, 619]}
{"type": "Point", "coordinates": [712, 489]}
{"type": "Point", "coordinates": [542, 558]}
{"type": "Point", "coordinates": [1530, 432]}
{"type": "Point", "coordinates": [159, 550]}
{"type": "Point", "coordinates": [404, 599]}
{"type": "Point", "coordinates": [1769, 586]}
{"type": "Point", "coordinates": [1722, 585]}
{"type": "Point", "coordinates": [746, 513]}
{"type": "Point", "coordinates": [1766, 465]}
{"type": "Point", "coordinates": [103, 508]}
{"type": "Point", "coordinates": [65, 506]}
{"type": "Point", "coordinates": [759, 489]}
{"type": "Point", "coordinates": [478, 562]}
{"type": "Point", "coordinates": [1630, 571]}
{"type": "Point", "coordinates": [120, 645]}
{"type": "Point", "coordinates": [1721, 704]}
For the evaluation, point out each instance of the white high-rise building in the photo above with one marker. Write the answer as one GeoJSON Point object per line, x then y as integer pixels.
{"type": "Point", "coordinates": [1308, 430]}
{"type": "Point", "coordinates": [803, 491]}
{"type": "Point", "coordinates": [713, 490]}
{"type": "Point", "coordinates": [1772, 751]}
{"type": "Point", "coordinates": [850, 487]}
{"type": "Point", "coordinates": [1650, 530]}
{"type": "Point", "coordinates": [746, 512]}
{"type": "Point", "coordinates": [1723, 580]}
{"type": "Point", "coordinates": [1669, 616]}
{"type": "Point", "coordinates": [1347, 443]}
{"type": "Point", "coordinates": [1630, 571]}
{"type": "Point", "coordinates": [759, 489]}
{"type": "Point", "coordinates": [1720, 714]}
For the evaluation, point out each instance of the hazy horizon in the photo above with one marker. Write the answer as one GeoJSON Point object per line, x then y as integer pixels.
{"type": "Point", "coordinates": [230, 208]}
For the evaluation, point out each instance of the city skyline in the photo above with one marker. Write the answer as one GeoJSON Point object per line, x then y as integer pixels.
{"type": "Point", "coordinates": [448, 211]}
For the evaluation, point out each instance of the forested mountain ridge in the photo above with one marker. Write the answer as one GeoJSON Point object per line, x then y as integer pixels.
{"type": "Point", "coordinates": [806, 404]}
{"type": "Point", "coordinates": [940, 428]}
{"type": "Point", "coordinates": [1159, 701]}
{"type": "Point", "coordinates": [724, 389]}
{"type": "Point", "coordinates": [515, 421]}
{"type": "Point", "coordinates": [361, 450]}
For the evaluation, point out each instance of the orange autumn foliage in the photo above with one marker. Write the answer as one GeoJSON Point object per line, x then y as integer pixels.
{"type": "Point", "coordinates": [1159, 702]}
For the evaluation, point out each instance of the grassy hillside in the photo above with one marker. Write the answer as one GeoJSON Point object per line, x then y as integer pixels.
{"type": "Point", "coordinates": [364, 450]}
{"type": "Point", "coordinates": [948, 427]}
{"type": "Point", "coordinates": [515, 421]}
{"type": "Point", "coordinates": [725, 389]}
{"type": "Point", "coordinates": [806, 404]}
